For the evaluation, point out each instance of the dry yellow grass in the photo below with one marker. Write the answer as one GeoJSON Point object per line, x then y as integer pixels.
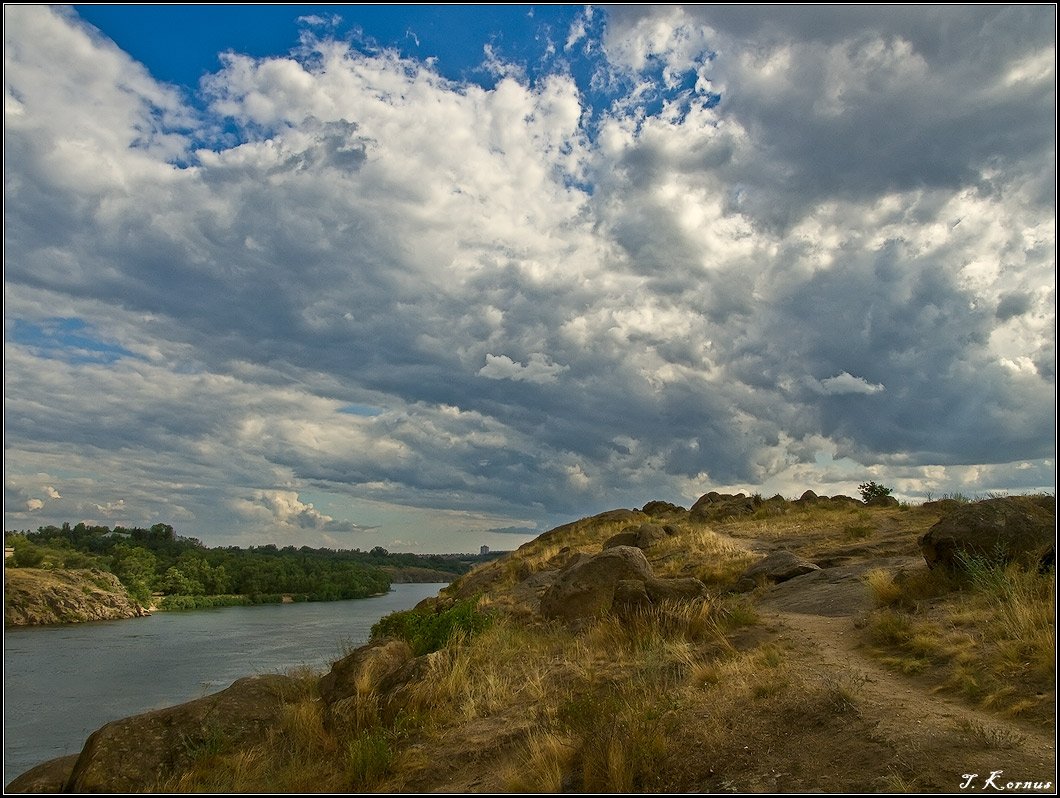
{"type": "Point", "coordinates": [658, 701]}
{"type": "Point", "coordinates": [989, 635]}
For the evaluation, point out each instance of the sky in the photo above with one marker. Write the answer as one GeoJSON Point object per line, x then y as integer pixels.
{"type": "Point", "coordinates": [433, 277]}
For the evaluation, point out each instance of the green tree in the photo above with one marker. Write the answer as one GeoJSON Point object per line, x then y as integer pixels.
{"type": "Point", "coordinates": [176, 582]}
{"type": "Point", "coordinates": [26, 555]}
{"type": "Point", "coordinates": [870, 491]}
{"type": "Point", "coordinates": [136, 568]}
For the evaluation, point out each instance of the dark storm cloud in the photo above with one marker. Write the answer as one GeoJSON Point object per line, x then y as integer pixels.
{"type": "Point", "coordinates": [848, 254]}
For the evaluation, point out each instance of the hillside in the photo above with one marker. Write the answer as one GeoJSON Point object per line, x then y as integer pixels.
{"type": "Point", "coordinates": [35, 596]}
{"type": "Point", "coordinates": [651, 651]}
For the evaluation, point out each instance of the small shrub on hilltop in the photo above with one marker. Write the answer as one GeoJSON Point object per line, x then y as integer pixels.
{"type": "Point", "coordinates": [870, 491]}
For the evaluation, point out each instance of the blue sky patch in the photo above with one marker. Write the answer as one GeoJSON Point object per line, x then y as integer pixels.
{"type": "Point", "coordinates": [71, 340]}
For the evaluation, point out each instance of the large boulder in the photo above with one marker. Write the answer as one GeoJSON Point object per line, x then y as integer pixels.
{"type": "Point", "coordinates": [47, 777]}
{"type": "Point", "coordinates": [631, 597]}
{"type": "Point", "coordinates": [1007, 529]}
{"type": "Point", "coordinates": [882, 501]}
{"type": "Point", "coordinates": [130, 755]}
{"type": "Point", "coordinates": [780, 566]}
{"type": "Point", "coordinates": [642, 536]}
{"type": "Point", "coordinates": [397, 692]}
{"type": "Point", "coordinates": [587, 589]}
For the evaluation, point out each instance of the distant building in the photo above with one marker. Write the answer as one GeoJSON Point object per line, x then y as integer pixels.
{"type": "Point", "coordinates": [483, 551]}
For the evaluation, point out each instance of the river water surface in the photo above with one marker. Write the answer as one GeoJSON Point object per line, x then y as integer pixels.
{"type": "Point", "coordinates": [61, 683]}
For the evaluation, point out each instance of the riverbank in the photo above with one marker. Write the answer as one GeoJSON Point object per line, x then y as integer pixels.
{"type": "Point", "coordinates": [64, 682]}
{"type": "Point", "coordinates": [744, 645]}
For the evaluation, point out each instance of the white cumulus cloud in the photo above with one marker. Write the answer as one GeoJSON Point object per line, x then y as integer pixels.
{"type": "Point", "coordinates": [537, 369]}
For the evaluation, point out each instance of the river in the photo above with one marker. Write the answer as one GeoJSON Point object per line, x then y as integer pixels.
{"type": "Point", "coordinates": [61, 683]}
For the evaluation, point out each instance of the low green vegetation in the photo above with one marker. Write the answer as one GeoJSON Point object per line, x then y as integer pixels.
{"type": "Point", "coordinates": [426, 630]}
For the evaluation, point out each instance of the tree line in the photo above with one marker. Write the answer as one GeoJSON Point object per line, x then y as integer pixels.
{"type": "Point", "coordinates": [158, 566]}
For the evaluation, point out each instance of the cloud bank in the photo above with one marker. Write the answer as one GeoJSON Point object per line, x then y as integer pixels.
{"type": "Point", "coordinates": [761, 247]}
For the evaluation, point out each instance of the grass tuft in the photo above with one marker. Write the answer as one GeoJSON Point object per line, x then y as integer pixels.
{"type": "Point", "coordinates": [986, 632]}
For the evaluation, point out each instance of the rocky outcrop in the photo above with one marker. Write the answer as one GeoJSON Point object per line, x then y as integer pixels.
{"type": "Point", "coordinates": [641, 537]}
{"type": "Point", "coordinates": [780, 566]}
{"type": "Point", "coordinates": [677, 589]}
{"type": "Point", "coordinates": [715, 506]}
{"type": "Point", "coordinates": [1007, 529]}
{"type": "Point", "coordinates": [882, 501]}
{"type": "Point", "coordinates": [661, 508]}
{"type": "Point", "coordinates": [588, 588]}
{"type": "Point", "coordinates": [620, 579]}
{"type": "Point", "coordinates": [34, 596]}
{"type": "Point", "coordinates": [130, 755]}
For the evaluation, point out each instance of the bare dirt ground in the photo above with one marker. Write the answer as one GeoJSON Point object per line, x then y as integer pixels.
{"type": "Point", "coordinates": [936, 741]}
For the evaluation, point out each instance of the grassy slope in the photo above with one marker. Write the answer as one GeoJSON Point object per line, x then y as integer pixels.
{"type": "Point", "coordinates": [716, 696]}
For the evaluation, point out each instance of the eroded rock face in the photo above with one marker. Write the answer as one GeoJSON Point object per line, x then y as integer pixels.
{"type": "Point", "coordinates": [1008, 529]}
{"type": "Point", "coordinates": [35, 596]}
{"type": "Point", "coordinates": [780, 566]}
{"type": "Point", "coordinates": [397, 691]}
{"type": "Point", "coordinates": [130, 755]}
{"type": "Point", "coordinates": [588, 588]}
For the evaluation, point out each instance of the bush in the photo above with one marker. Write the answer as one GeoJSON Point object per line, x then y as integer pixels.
{"type": "Point", "coordinates": [430, 631]}
{"type": "Point", "coordinates": [870, 490]}
{"type": "Point", "coordinates": [27, 556]}
{"type": "Point", "coordinates": [180, 602]}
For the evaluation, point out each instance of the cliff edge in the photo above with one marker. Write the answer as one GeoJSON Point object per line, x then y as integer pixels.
{"type": "Point", "coordinates": [35, 596]}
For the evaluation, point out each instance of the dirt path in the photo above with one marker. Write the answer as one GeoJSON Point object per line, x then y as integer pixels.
{"type": "Point", "coordinates": [936, 739]}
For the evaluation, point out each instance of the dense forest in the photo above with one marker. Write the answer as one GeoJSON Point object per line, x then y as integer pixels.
{"type": "Point", "coordinates": [159, 567]}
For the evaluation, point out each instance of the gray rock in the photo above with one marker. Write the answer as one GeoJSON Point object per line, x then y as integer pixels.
{"type": "Point", "coordinates": [587, 589]}
{"type": "Point", "coordinates": [630, 598]}
{"type": "Point", "coordinates": [48, 777]}
{"type": "Point", "coordinates": [642, 537]}
{"type": "Point", "coordinates": [685, 588]}
{"type": "Point", "coordinates": [130, 755]}
{"type": "Point", "coordinates": [780, 566]}
{"type": "Point", "coordinates": [1008, 529]}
